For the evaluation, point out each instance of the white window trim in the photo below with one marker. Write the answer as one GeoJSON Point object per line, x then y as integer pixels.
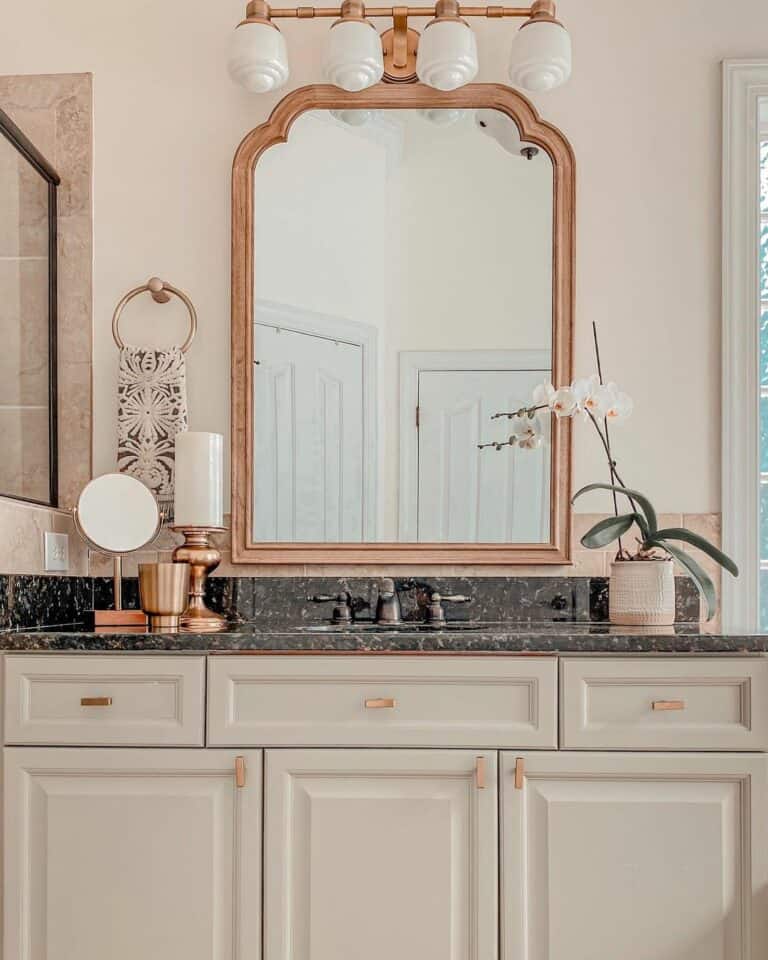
{"type": "Point", "coordinates": [745, 82]}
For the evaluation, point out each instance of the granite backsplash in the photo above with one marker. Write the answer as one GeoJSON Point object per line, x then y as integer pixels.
{"type": "Point", "coordinates": [34, 601]}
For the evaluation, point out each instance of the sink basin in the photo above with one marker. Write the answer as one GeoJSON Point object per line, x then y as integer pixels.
{"type": "Point", "coordinates": [406, 627]}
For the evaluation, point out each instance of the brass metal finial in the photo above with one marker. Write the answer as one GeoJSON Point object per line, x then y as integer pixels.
{"type": "Point", "coordinates": [446, 10]}
{"type": "Point", "coordinates": [353, 10]}
{"type": "Point", "coordinates": [257, 10]}
{"type": "Point", "coordinates": [543, 10]}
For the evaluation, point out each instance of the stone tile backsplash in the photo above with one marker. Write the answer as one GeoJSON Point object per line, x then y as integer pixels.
{"type": "Point", "coordinates": [33, 601]}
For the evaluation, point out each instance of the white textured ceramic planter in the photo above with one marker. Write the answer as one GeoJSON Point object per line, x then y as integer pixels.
{"type": "Point", "coordinates": [642, 592]}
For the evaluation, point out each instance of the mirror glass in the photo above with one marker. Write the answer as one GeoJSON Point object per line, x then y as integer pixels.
{"type": "Point", "coordinates": [116, 513]}
{"type": "Point", "coordinates": [27, 319]}
{"type": "Point", "coordinates": [403, 295]}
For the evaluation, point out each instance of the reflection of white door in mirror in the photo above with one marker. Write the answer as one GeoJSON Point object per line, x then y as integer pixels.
{"type": "Point", "coordinates": [314, 440]}
{"type": "Point", "coordinates": [450, 490]}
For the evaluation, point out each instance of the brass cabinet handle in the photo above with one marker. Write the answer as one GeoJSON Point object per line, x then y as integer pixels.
{"type": "Point", "coordinates": [480, 773]}
{"type": "Point", "coordinates": [240, 772]}
{"type": "Point", "coordinates": [519, 773]}
{"type": "Point", "coordinates": [381, 703]}
{"type": "Point", "coordinates": [668, 705]}
{"type": "Point", "coordinates": [95, 701]}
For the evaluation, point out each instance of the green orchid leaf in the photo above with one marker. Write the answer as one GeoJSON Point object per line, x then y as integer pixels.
{"type": "Point", "coordinates": [703, 583]}
{"type": "Point", "coordinates": [687, 536]}
{"type": "Point", "coordinates": [608, 530]}
{"type": "Point", "coordinates": [645, 503]}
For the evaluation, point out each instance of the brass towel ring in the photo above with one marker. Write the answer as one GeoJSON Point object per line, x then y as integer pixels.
{"type": "Point", "coordinates": [160, 291]}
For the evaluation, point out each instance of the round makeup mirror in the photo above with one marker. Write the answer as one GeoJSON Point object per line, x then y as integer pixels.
{"type": "Point", "coordinates": [117, 514]}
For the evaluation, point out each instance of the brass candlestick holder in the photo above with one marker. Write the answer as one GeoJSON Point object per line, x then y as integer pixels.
{"type": "Point", "coordinates": [203, 558]}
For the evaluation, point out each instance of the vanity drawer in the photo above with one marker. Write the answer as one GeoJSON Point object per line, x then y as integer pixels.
{"type": "Point", "coordinates": [664, 704]}
{"type": "Point", "coordinates": [394, 701]}
{"type": "Point", "coordinates": [105, 700]}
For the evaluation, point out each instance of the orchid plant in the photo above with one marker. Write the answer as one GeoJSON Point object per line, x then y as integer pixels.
{"type": "Point", "coordinates": [604, 404]}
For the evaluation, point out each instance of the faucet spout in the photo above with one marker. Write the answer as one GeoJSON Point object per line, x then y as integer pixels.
{"type": "Point", "coordinates": [388, 604]}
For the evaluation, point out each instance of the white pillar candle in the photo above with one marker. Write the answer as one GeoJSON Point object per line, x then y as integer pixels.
{"type": "Point", "coordinates": [199, 480]}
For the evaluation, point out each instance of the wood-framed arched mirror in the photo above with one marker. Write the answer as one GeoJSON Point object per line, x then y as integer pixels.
{"type": "Point", "coordinates": [402, 269]}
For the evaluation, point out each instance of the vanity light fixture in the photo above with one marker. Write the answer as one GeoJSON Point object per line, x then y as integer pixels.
{"type": "Point", "coordinates": [540, 58]}
{"type": "Point", "coordinates": [258, 57]}
{"type": "Point", "coordinates": [443, 56]}
{"type": "Point", "coordinates": [353, 56]}
{"type": "Point", "coordinates": [447, 56]}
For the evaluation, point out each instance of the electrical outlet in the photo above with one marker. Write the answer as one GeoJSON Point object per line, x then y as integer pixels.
{"type": "Point", "coordinates": [56, 552]}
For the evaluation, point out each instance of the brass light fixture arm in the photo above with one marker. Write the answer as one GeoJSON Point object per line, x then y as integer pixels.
{"type": "Point", "coordinates": [493, 12]}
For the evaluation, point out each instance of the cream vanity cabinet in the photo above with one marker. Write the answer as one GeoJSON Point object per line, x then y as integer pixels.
{"type": "Point", "coordinates": [115, 851]}
{"type": "Point", "coordinates": [394, 806]}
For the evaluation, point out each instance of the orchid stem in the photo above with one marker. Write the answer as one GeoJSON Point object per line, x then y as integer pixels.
{"type": "Point", "coordinates": [611, 464]}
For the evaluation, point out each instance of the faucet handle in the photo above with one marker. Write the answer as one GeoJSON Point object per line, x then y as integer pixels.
{"type": "Point", "coordinates": [452, 598]}
{"type": "Point", "coordinates": [342, 612]}
{"type": "Point", "coordinates": [435, 612]}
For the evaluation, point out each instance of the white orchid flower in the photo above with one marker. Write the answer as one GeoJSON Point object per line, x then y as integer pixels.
{"type": "Point", "coordinates": [532, 442]}
{"type": "Point", "coordinates": [528, 432]}
{"type": "Point", "coordinates": [564, 402]}
{"type": "Point", "coordinates": [620, 404]}
{"type": "Point", "coordinates": [543, 394]}
{"type": "Point", "coordinates": [592, 396]}
{"type": "Point", "coordinates": [561, 402]}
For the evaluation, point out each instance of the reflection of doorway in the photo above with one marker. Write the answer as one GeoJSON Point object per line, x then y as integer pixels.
{"type": "Point", "coordinates": [449, 490]}
{"type": "Point", "coordinates": [314, 443]}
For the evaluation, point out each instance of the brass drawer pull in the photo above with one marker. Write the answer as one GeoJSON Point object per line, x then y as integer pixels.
{"type": "Point", "coordinates": [96, 701]}
{"type": "Point", "coordinates": [381, 703]}
{"type": "Point", "coordinates": [668, 705]}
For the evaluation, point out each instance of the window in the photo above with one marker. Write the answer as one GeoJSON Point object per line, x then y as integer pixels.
{"type": "Point", "coordinates": [745, 342]}
{"type": "Point", "coordinates": [763, 108]}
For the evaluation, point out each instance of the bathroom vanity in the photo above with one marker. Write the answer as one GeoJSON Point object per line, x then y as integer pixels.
{"type": "Point", "coordinates": [255, 799]}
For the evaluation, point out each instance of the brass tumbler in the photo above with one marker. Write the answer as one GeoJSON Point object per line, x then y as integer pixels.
{"type": "Point", "coordinates": [163, 593]}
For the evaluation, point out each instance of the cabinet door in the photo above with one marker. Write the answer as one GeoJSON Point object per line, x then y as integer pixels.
{"type": "Point", "coordinates": [380, 854]}
{"type": "Point", "coordinates": [127, 854]}
{"type": "Point", "coordinates": [637, 857]}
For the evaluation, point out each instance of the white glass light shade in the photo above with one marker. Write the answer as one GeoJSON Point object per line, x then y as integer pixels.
{"type": "Point", "coordinates": [447, 56]}
{"type": "Point", "coordinates": [540, 57]}
{"type": "Point", "coordinates": [354, 118]}
{"type": "Point", "coordinates": [353, 56]}
{"type": "Point", "coordinates": [442, 117]}
{"type": "Point", "coordinates": [258, 57]}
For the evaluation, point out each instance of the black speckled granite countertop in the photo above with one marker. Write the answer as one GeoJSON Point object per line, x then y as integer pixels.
{"type": "Point", "coordinates": [477, 638]}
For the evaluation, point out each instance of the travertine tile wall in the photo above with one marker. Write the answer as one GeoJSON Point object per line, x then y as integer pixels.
{"type": "Point", "coordinates": [55, 112]}
{"type": "Point", "coordinates": [586, 563]}
{"type": "Point", "coordinates": [22, 527]}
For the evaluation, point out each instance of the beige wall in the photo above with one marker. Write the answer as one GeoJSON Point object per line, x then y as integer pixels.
{"type": "Point", "coordinates": [643, 114]}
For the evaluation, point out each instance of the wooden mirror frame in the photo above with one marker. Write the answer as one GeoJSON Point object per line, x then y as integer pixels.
{"type": "Point", "coordinates": [383, 96]}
